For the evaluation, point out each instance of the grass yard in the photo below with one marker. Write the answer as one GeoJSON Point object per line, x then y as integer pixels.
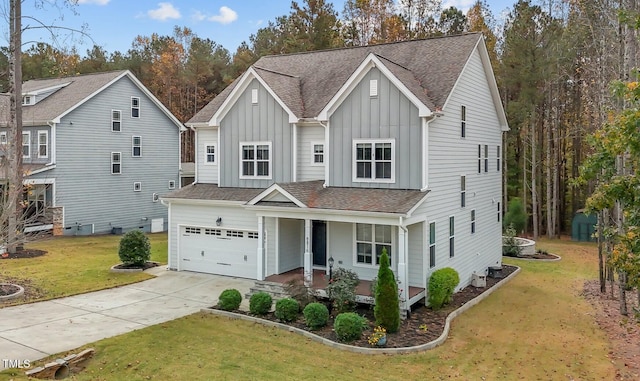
{"type": "Point", "coordinates": [537, 327]}
{"type": "Point", "coordinates": [75, 265]}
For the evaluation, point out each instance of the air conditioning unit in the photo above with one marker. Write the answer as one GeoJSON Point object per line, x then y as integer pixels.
{"type": "Point", "coordinates": [478, 280]}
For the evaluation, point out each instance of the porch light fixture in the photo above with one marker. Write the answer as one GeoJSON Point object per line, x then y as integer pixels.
{"type": "Point", "coordinates": [219, 221]}
{"type": "Point", "coordinates": [331, 262]}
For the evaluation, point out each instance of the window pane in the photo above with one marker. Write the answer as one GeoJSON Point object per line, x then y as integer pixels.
{"type": "Point", "coordinates": [247, 168]}
{"type": "Point", "coordinates": [451, 225]}
{"type": "Point", "coordinates": [136, 140]}
{"type": "Point", "coordinates": [136, 151]}
{"type": "Point", "coordinates": [363, 170]}
{"type": "Point", "coordinates": [115, 157]}
{"type": "Point", "coordinates": [383, 151]}
{"type": "Point", "coordinates": [116, 168]}
{"type": "Point", "coordinates": [363, 151]}
{"type": "Point", "coordinates": [262, 152]}
{"type": "Point", "coordinates": [116, 126]}
{"type": "Point", "coordinates": [210, 149]}
{"type": "Point", "coordinates": [135, 112]}
{"type": "Point", "coordinates": [318, 148]}
{"type": "Point", "coordinates": [363, 232]}
{"type": "Point", "coordinates": [383, 170]}
{"type": "Point", "coordinates": [247, 153]}
{"type": "Point", "coordinates": [432, 233]}
{"type": "Point", "coordinates": [432, 256]}
{"type": "Point", "coordinates": [364, 253]}
{"type": "Point", "coordinates": [263, 168]}
{"type": "Point", "coordinates": [463, 183]}
{"type": "Point", "coordinates": [383, 233]}
{"type": "Point", "coordinates": [379, 253]}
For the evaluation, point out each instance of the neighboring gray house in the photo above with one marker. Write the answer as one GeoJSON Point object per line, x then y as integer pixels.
{"type": "Point", "coordinates": [341, 153]}
{"type": "Point", "coordinates": [98, 150]}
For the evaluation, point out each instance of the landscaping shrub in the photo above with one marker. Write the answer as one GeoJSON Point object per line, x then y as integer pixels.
{"type": "Point", "coordinates": [287, 309]}
{"type": "Point", "coordinates": [387, 308]}
{"type": "Point", "coordinates": [342, 289]}
{"type": "Point", "coordinates": [441, 286]}
{"type": "Point", "coordinates": [135, 248]}
{"type": "Point", "coordinates": [316, 315]}
{"type": "Point", "coordinates": [260, 303]}
{"type": "Point", "coordinates": [349, 326]}
{"type": "Point", "coordinates": [510, 246]}
{"type": "Point", "coordinates": [516, 215]}
{"type": "Point", "coordinates": [229, 299]}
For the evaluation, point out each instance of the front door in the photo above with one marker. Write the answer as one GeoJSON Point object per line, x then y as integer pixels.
{"type": "Point", "coordinates": [319, 243]}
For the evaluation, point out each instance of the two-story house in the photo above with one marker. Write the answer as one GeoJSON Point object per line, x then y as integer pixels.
{"type": "Point", "coordinates": [98, 151]}
{"type": "Point", "coordinates": [340, 154]}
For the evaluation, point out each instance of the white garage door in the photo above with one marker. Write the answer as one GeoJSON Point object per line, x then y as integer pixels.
{"type": "Point", "coordinates": [219, 251]}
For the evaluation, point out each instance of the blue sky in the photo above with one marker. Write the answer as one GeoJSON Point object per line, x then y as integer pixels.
{"type": "Point", "coordinates": [113, 24]}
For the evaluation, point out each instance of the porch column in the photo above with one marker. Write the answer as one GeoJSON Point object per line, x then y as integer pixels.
{"type": "Point", "coordinates": [308, 269]}
{"type": "Point", "coordinates": [403, 273]}
{"type": "Point", "coordinates": [260, 257]}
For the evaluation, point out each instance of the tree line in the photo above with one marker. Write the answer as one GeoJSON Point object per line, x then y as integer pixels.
{"type": "Point", "coordinates": [553, 59]}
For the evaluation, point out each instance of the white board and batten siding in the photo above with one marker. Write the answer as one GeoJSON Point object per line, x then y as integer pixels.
{"type": "Point", "coordinates": [186, 218]}
{"type": "Point", "coordinates": [450, 157]}
{"type": "Point", "coordinates": [307, 136]}
{"type": "Point", "coordinates": [207, 172]}
{"type": "Point", "coordinates": [290, 244]}
{"type": "Point", "coordinates": [85, 187]}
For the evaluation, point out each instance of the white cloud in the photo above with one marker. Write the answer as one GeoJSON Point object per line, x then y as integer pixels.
{"type": "Point", "coordinates": [199, 16]}
{"type": "Point", "coordinates": [98, 2]}
{"type": "Point", "coordinates": [164, 12]}
{"type": "Point", "coordinates": [462, 5]}
{"type": "Point", "coordinates": [226, 16]}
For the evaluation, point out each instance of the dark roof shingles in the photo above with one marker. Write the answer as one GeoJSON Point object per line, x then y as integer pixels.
{"type": "Point", "coordinates": [214, 192]}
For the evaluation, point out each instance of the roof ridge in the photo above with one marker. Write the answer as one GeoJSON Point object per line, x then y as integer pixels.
{"type": "Point", "coordinates": [77, 75]}
{"type": "Point", "coordinates": [276, 72]}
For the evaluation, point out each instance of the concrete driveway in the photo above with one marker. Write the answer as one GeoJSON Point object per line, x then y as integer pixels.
{"type": "Point", "coordinates": [37, 330]}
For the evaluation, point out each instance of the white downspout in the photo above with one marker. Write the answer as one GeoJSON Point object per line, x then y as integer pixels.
{"type": "Point", "coordinates": [403, 268]}
{"type": "Point", "coordinates": [53, 142]}
{"type": "Point", "coordinates": [425, 150]}
{"type": "Point", "coordinates": [294, 165]}
{"type": "Point", "coordinates": [327, 157]}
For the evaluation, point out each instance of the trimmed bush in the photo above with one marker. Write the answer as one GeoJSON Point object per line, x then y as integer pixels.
{"type": "Point", "coordinates": [229, 299]}
{"type": "Point", "coordinates": [135, 248]}
{"type": "Point", "coordinates": [316, 315]}
{"type": "Point", "coordinates": [260, 303]}
{"type": "Point", "coordinates": [387, 308]}
{"type": "Point", "coordinates": [287, 309]}
{"type": "Point", "coordinates": [441, 286]}
{"type": "Point", "coordinates": [342, 289]}
{"type": "Point", "coordinates": [349, 326]}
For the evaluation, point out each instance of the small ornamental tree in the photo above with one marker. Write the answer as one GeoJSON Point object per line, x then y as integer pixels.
{"type": "Point", "coordinates": [516, 215]}
{"type": "Point", "coordinates": [135, 248]}
{"type": "Point", "coordinates": [387, 308]}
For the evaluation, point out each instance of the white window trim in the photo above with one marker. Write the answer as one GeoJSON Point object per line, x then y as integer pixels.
{"type": "Point", "coordinates": [3, 137]}
{"type": "Point", "coordinates": [432, 244]}
{"type": "Point", "coordinates": [486, 158]}
{"type": "Point", "coordinates": [133, 145]}
{"type": "Point", "coordinates": [215, 154]}
{"type": "Point", "coordinates": [463, 121]}
{"type": "Point", "coordinates": [374, 264]}
{"type": "Point", "coordinates": [46, 144]}
{"type": "Point", "coordinates": [28, 100]}
{"type": "Point", "coordinates": [479, 158]}
{"type": "Point", "coordinates": [155, 197]}
{"type": "Point", "coordinates": [373, 142]}
{"type": "Point", "coordinates": [137, 186]}
{"type": "Point", "coordinates": [474, 221]}
{"type": "Point", "coordinates": [313, 153]}
{"type": "Point", "coordinates": [138, 107]}
{"type": "Point", "coordinates": [118, 162]}
{"type": "Point", "coordinates": [28, 144]}
{"type": "Point", "coordinates": [119, 120]}
{"type": "Point", "coordinates": [254, 96]}
{"type": "Point", "coordinates": [172, 184]}
{"type": "Point", "coordinates": [463, 191]}
{"type": "Point", "coordinates": [452, 236]}
{"type": "Point", "coordinates": [255, 144]}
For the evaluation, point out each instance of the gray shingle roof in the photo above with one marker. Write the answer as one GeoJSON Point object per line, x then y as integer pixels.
{"type": "Point", "coordinates": [213, 192]}
{"type": "Point", "coordinates": [428, 68]}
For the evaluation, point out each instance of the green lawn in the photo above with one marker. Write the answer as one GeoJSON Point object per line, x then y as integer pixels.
{"type": "Point", "coordinates": [537, 327]}
{"type": "Point", "coordinates": [75, 265]}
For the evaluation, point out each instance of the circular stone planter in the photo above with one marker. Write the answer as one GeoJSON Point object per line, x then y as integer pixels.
{"type": "Point", "coordinates": [527, 246]}
{"type": "Point", "coordinates": [120, 267]}
{"type": "Point", "coordinates": [19, 291]}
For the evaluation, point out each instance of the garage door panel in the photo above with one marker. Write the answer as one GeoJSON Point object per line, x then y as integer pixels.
{"type": "Point", "coordinates": [219, 251]}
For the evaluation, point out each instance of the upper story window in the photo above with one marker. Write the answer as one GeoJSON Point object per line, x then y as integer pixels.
{"type": "Point", "coordinates": [373, 161]}
{"type": "Point", "coordinates": [116, 164]}
{"type": "Point", "coordinates": [473, 221]}
{"type": "Point", "coordinates": [432, 244]}
{"type": "Point", "coordinates": [370, 240]}
{"type": "Point", "coordinates": [463, 191]}
{"type": "Point", "coordinates": [28, 100]}
{"type": "Point", "coordinates": [43, 144]}
{"type": "Point", "coordinates": [210, 154]}
{"type": "Point", "coordinates": [3, 137]}
{"type": "Point", "coordinates": [137, 186]}
{"type": "Point", "coordinates": [116, 120]}
{"type": "Point", "coordinates": [135, 107]}
{"type": "Point", "coordinates": [452, 236]}
{"type": "Point", "coordinates": [136, 146]}
{"type": "Point", "coordinates": [26, 144]}
{"type": "Point", "coordinates": [317, 153]}
{"type": "Point", "coordinates": [499, 212]}
{"type": "Point", "coordinates": [255, 160]}
{"type": "Point", "coordinates": [479, 158]}
{"type": "Point", "coordinates": [463, 121]}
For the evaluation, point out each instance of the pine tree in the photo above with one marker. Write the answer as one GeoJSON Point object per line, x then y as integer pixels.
{"type": "Point", "coordinates": [387, 307]}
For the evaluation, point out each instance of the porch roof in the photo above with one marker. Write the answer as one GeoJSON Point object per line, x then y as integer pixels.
{"type": "Point", "coordinates": [314, 195]}
{"type": "Point", "coordinates": [197, 191]}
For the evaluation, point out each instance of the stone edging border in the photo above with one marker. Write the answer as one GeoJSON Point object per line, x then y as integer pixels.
{"type": "Point", "coordinates": [352, 348]}
{"type": "Point", "coordinates": [557, 258]}
{"type": "Point", "coordinates": [15, 295]}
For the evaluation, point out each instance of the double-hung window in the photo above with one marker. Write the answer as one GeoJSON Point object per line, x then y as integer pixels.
{"type": "Point", "coordinates": [373, 161]}
{"type": "Point", "coordinates": [135, 107]}
{"type": "Point", "coordinates": [3, 137]}
{"type": "Point", "coordinates": [463, 191]}
{"type": "Point", "coordinates": [479, 158]}
{"type": "Point", "coordinates": [317, 153]}
{"type": "Point", "coordinates": [432, 244]}
{"type": "Point", "coordinates": [116, 120]}
{"type": "Point", "coordinates": [473, 221]}
{"type": "Point", "coordinates": [463, 121]}
{"type": "Point", "coordinates": [26, 144]}
{"type": "Point", "coordinates": [116, 163]}
{"type": "Point", "coordinates": [210, 154]}
{"type": "Point", "coordinates": [498, 158]}
{"type": "Point", "coordinates": [255, 160]}
{"type": "Point", "coordinates": [370, 241]}
{"type": "Point", "coordinates": [43, 144]}
{"type": "Point", "coordinates": [452, 236]}
{"type": "Point", "coordinates": [136, 146]}
{"type": "Point", "coordinates": [486, 158]}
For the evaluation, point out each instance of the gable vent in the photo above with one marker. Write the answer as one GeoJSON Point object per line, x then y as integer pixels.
{"type": "Point", "coordinates": [373, 88]}
{"type": "Point", "coordinates": [254, 96]}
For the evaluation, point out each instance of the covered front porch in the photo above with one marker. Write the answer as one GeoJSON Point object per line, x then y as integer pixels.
{"type": "Point", "coordinates": [321, 280]}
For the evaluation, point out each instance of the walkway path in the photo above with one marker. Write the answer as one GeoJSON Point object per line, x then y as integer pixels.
{"type": "Point", "coordinates": [37, 330]}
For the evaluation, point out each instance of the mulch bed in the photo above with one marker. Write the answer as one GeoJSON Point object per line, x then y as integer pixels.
{"type": "Point", "coordinates": [31, 292]}
{"type": "Point", "coordinates": [411, 332]}
{"type": "Point", "coordinates": [146, 266]}
{"type": "Point", "coordinates": [538, 255]}
{"type": "Point", "coordinates": [24, 253]}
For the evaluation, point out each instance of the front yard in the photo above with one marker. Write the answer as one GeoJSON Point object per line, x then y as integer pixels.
{"type": "Point", "coordinates": [537, 327]}
{"type": "Point", "coordinates": [74, 265]}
